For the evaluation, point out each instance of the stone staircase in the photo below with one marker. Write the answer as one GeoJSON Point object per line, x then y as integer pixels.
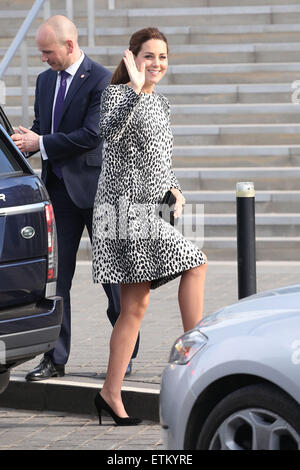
{"type": "Point", "coordinates": [232, 66]}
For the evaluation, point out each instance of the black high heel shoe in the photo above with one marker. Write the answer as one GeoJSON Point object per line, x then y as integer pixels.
{"type": "Point", "coordinates": [101, 404]}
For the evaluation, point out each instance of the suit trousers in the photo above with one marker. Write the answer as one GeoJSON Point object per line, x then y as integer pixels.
{"type": "Point", "coordinates": [70, 223]}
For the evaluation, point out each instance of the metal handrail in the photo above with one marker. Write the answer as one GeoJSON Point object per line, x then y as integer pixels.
{"type": "Point", "coordinates": [29, 20]}
{"type": "Point", "coordinates": [20, 40]}
{"type": "Point", "coordinates": [20, 36]}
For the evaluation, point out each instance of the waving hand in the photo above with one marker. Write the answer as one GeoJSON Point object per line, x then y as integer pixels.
{"type": "Point", "coordinates": [137, 76]}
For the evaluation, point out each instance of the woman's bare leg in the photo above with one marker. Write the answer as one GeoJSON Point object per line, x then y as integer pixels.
{"type": "Point", "coordinates": [191, 296]}
{"type": "Point", "coordinates": [134, 301]}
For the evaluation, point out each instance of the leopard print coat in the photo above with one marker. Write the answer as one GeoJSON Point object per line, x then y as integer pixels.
{"type": "Point", "coordinates": [131, 243]}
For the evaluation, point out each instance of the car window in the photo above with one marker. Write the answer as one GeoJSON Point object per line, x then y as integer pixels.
{"type": "Point", "coordinates": [5, 122]}
{"type": "Point", "coordinates": [8, 163]}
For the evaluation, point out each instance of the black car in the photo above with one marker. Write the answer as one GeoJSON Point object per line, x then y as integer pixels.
{"type": "Point", "coordinates": [30, 311]}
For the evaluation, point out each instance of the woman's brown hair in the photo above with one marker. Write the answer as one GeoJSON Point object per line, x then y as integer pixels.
{"type": "Point", "coordinates": [135, 44]}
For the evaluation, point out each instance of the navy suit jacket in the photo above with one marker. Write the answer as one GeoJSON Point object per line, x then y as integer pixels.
{"type": "Point", "coordinates": [76, 145]}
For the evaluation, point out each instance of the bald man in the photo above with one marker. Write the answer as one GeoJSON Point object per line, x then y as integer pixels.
{"type": "Point", "coordinates": [66, 132]}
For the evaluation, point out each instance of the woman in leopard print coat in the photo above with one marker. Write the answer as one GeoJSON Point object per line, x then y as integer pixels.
{"type": "Point", "coordinates": [131, 244]}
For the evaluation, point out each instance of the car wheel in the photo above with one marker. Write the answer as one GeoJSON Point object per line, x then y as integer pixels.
{"type": "Point", "coordinates": [4, 380]}
{"type": "Point", "coordinates": [256, 417]}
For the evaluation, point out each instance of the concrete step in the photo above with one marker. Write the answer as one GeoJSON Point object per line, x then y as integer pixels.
{"type": "Point", "coordinates": [283, 178]}
{"type": "Point", "coordinates": [191, 54]}
{"type": "Point", "coordinates": [224, 93]}
{"type": "Point", "coordinates": [276, 205]}
{"type": "Point", "coordinates": [213, 156]}
{"type": "Point", "coordinates": [204, 34]}
{"type": "Point", "coordinates": [15, 4]}
{"type": "Point", "coordinates": [220, 201]}
{"type": "Point", "coordinates": [195, 3]}
{"type": "Point", "coordinates": [74, 394]}
{"type": "Point", "coordinates": [236, 155]}
{"type": "Point", "coordinates": [199, 225]}
{"type": "Point", "coordinates": [200, 94]}
{"type": "Point", "coordinates": [267, 113]}
{"type": "Point", "coordinates": [240, 34]}
{"type": "Point", "coordinates": [14, 95]}
{"type": "Point", "coordinates": [187, 34]}
{"type": "Point", "coordinates": [27, 4]}
{"type": "Point", "coordinates": [79, 4]}
{"type": "Point", "coordinates": [231, 73]}
{"type": "Point", "coordinates": [213, 53]}
{"type": "Point", "coordinates": [142, 17]}
{"type": "Point", "coordinates": [14, 114]}
{"type": "Point", "coordinates": [234, 134]}
{"type": "Point", "coordinates": [224, 179]}
{"type": "Point", "coordinates": [156, 3]}
{"type": "Point", "coordinates": [112, 36]}
{"type": "Point", "coordinates": [267, 248]}
{"type": "Point", "coordinates": [254, 33]}
{"type": "Point", "coordinates": [267, 225]}
{"type": "Point", "coordinates": [236, 15]}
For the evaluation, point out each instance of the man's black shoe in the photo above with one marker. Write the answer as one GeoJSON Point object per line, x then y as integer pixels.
{"type": "Point", "coordinates": [45, 370]}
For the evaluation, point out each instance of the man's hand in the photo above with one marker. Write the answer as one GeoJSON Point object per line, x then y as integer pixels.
{"type": "Point", "coordinates": [26, 140]}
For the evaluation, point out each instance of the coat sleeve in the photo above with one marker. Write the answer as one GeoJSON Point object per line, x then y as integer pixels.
{"type": "Point", "coordinates": [117, 106]}
{"type": "Point", "coordinates": [174, 183]}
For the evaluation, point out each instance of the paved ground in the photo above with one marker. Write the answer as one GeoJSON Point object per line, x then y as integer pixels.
{"type": "Point", "coordinates": [23, 430]}
{"type": "Point", "coordinates": [89, 355]}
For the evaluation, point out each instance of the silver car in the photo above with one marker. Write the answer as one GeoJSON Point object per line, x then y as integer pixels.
{"type": "Point", "coordinates": [233, 382]}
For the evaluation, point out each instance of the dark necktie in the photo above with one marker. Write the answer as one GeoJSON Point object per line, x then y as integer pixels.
{"type": "Point", "coordinates": [59, 103]}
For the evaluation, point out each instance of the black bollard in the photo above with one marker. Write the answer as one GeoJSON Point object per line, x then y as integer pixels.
{"type": "Point", "coordinates": [246, 245]}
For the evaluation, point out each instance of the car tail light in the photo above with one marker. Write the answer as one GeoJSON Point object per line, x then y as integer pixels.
{"type": "Point", "coordinates": [52, 249]}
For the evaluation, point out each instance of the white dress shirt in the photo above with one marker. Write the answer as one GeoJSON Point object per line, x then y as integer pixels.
{"type": "Point", "coordinates": [71, 71]}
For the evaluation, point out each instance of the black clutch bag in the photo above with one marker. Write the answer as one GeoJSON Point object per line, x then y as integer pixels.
{"type": "Point", "coordinates": [166, 207]}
